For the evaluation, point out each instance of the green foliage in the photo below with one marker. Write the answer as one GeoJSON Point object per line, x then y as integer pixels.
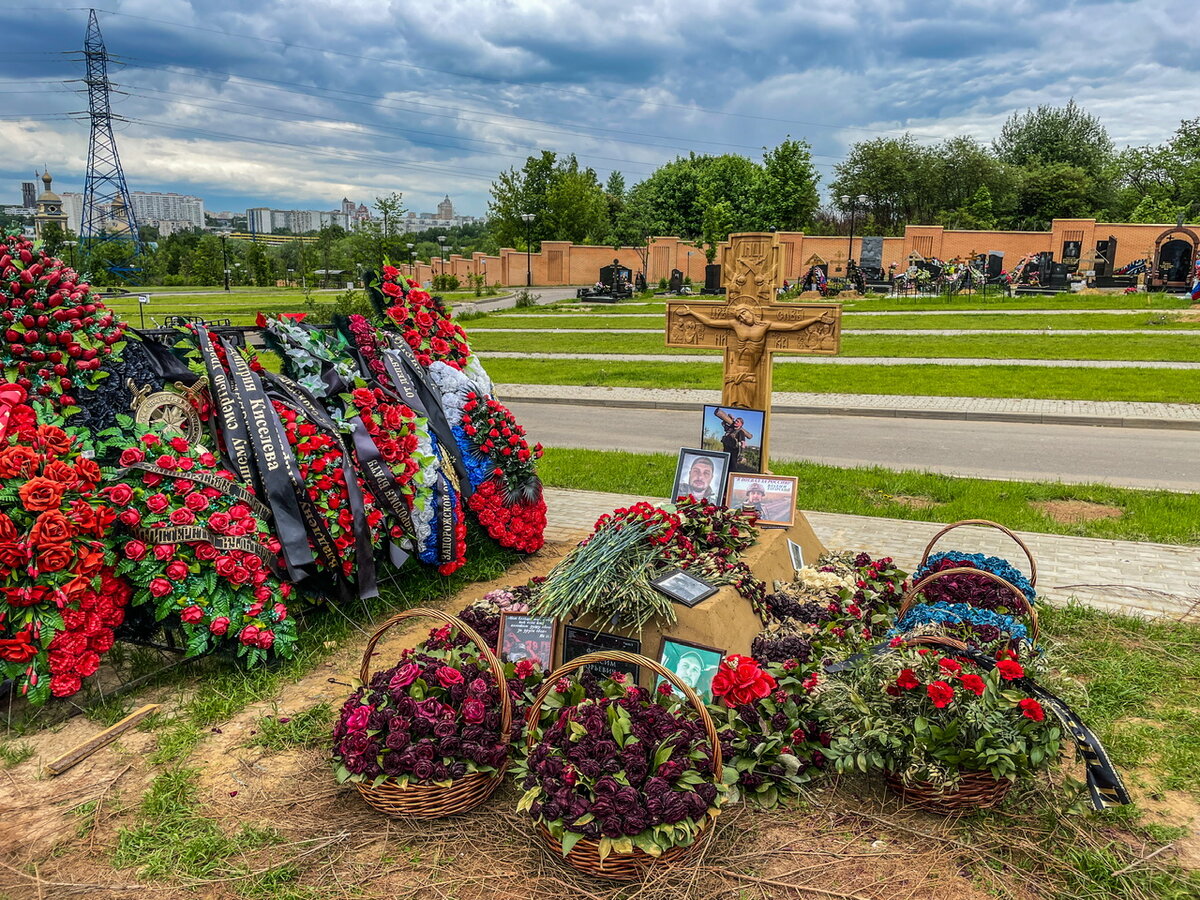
{"type": "Point", "coordinates": [14, 754]}
{"type": "Point", "coordinates": [444, 281]}
{"type": "Point", "coordinates": [567, 203]}
{"type": "Point", "coordinates": [1049, 135]}
{"type": "Point", "coordinates": [786, 192]}
{"type": "Point", "coordinates": [1053, 190]}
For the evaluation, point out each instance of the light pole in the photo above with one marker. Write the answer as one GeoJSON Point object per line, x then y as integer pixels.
{"type": "Point", "coordinates": [853, 203]}
{"type": "Point", "coordinates": [527, 218]}
{"type": "Point", "coordinates": [442, 245]}
{"type": "Point", "coordinates": [225, 257]}
{"type": "Point", "coordinates": [71, 246]}
{"type": "Point", "coordinates": [412, 260]}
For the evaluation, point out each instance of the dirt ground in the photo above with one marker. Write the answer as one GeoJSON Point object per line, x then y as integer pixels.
{"type": "Point", "coordinates": [846, 841]}
{"type": "Point", "coordinates": [1073, 512]}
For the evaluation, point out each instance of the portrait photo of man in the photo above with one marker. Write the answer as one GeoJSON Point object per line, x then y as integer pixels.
{"type": "Point", "coordinates": [701, 474]}
{"type": "Point", "coordinates": [694, 665]}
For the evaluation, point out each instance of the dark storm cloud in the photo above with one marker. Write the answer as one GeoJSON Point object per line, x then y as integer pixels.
{"type": "Point", "coordinates": [297, 103]}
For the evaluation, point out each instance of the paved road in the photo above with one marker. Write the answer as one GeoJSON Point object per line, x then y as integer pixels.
{"type": "Point", "coordinates": [1127, 457]}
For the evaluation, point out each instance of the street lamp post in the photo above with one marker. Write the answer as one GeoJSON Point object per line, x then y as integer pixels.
{"type": "Point", "coordinates": [225, 257]}
{"type": "Point", "coordinates": [854, 203]}
{"type": "Point", "coordinates": [442, 245]}
{"type": "Point", "coordinates": [71, 246]}
{"type": "Point", "coordinates": [527, 218]}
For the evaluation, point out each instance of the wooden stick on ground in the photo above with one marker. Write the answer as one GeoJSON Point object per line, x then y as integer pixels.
{"type": "Point", "coordinates": [103, 739]}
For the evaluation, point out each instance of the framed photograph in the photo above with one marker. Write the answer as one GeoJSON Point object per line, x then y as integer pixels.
{"type": "Point", "coordinates": [683, 587]}
{"type": "Point", "coordinates": [773, 497]}
{"type": "Point", "coordinates": [797, 554]}
{"type": "Point", "coordinates": [693, 663]}
{"type": "Point", "coordinates": [578, 641]}
{"type": "Point", "coordinates": [738, 432]}
{"type": "Point", "coordinates": [523, 636]}
{"type": "Point", "coordinates": [701, 473]}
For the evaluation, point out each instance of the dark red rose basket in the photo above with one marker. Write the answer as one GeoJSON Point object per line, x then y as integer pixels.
{"type": "Point", "coordinates": [975, 790]}
{"type": "Point", "coordinates": [585, 855]}
{"type": "Point", "coordinates": [416, 800]}
{"type": "Point", "coordinates": [983, 523]}
{"type": "Point", "coordinates": [1022, 602]}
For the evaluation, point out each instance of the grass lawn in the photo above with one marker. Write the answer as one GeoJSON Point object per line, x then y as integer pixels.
{"type": "Point", "coordinates": [1026, 301]}
{"type": "Point", "coordinates": [1147, 385]}
{"type": "Point", "coordinates": [1182, 347]}
{"type": "Point", "coordinates": [1159, 516]}
{"type": "Point", "coordinates": [1165, 321]}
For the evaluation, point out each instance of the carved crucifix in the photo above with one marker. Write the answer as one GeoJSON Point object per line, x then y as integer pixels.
{"type": "Point", "coordinates": [750, 327]}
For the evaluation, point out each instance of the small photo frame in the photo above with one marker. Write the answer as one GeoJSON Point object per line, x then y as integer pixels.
{"type": "Point", "coordinates": [772, 497]}
{"type": "Point", "coordinates": [695, 664]}
{"type": "Point", "coordinates": [736, 431]}
{"type": "Point", "coordinates": [797, 554]}
{"type": "Point", "coordinates": [683, 587]}
{"type": "Point", "coordinates": [578, 641]}
{"type": "Point", "coordinates": [523, 636]}
{"type": "Point", "coordinates": [701, 473]}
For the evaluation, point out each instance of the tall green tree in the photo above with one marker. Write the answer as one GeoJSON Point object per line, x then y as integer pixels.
{"type": "Point", "coordinates": [896, 175]}
{"type": "Point", "coordinates": [786, 193]}
{"type": "Point", "coordinates": [1055, 135]}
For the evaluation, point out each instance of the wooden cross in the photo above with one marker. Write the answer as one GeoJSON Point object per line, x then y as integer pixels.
{"type": "Point", "coordinates": [750, 327]}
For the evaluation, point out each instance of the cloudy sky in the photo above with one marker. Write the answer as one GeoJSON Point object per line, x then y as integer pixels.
{"type": "Point", "coordinates": [294, 103]}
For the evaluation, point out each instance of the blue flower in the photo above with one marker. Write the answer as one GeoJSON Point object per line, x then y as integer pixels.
{"type": "Point", "coordinates": [479, 467]}
{"type": "Point", "coordinates": [941, 613]}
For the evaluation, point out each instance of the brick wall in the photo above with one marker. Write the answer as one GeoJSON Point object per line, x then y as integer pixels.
{"type": "Point", "coordinates": [564, 263]}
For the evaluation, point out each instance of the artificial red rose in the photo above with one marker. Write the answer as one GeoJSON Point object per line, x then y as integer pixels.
{"type": "Point", "coordinates": [405, 675]}
{"type": "Point", "coordinates": [266, 639]}
{"type": "Point", "coordinates": [54, 439]}
{"type": "Point", "coordinates": [130, 517]}
{"type": "Point", "coordinates": [940, 693]}
{"type": "Point", "coordinates": [205, 552]}
{"type": "Point", "coordinates": [54, 558]}
{"type": "Point", "coordinates": [87, 471]}
{"type": "Point", "coordinates": [119, 494]}
{"type": "Point", "coordinates": [177, 570]}
{"type": "Point", "coordinates": [64, 685]}
{"type": "Point", "coordinates": [740, 680]}
{"type": "Point", "coordinates": [363, 398]}
{"type": "Point", "coordinates": [39, 494]}
{"type": "Point", "coordinates": [87, 663]}
{"type": "Point", "coordinates": [249, 635]}
{"type": "Point", "coordinates": [907, 679]}
{"type": "Point", "coordinates": [163, 552]}
{"type": "Point", "coordinates": [973, 683]}
{"type": "Point", "coordinates": [156, 503]}
{"type": "Point", "coordinates": [524, 668]}
{"type": "Point", "coordinates": [219, 521]}
{"type": "Point", "coordinates": [219, 625]}
{"type": "Point", "coordinates": [179, 445]}
{"type": "Point", "coordinates": [448, 676]}
{"type": "Point", "coordinates": [135, 550]}
{"type": "Point", "coordinates": [20, 648]}
{"type": "Point", "coordinates": [51, 527]}
{"type": "Point", "coordinates": [1010, 669]}
{"type": "Point", "coordinates": [131, 455]}
{"type": "Point", "coordinates": [166, 461]}
{"type": "Point", "coordinates": [191, 614]}
{"type": "Point", "coordinates": [225, 566]}
{"type": "Point", "coordinates": [281, 612]}
{"type": "Point", "coordinates": [182, 517]}
{"type": "Point", "coordinates": [160, 587]}
{"type": "Point", "coordinates": [19, 462]}
{"type": "Point", "coordinates": [1031, 709]}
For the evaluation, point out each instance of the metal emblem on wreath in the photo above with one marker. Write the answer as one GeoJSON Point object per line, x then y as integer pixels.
{"type": "Point", "coordinates": [169, 410]}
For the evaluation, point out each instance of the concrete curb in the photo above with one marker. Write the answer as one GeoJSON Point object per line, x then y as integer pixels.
{"type": "Point", "coordinates": [892, 412]}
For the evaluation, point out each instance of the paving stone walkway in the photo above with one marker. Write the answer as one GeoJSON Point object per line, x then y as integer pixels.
{"type": "Point", "coordinates": [1091, 412]}
{"type": "Point", "coordinates": [924, 332]}
{"type": "Point", "coordinates": [888, 312]}
{"type": "Point", "coordinates": [1119, 576]}
{"type": "Point", "coordinates": [853, 360]}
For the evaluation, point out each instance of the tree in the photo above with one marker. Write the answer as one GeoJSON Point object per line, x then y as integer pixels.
{"type": "Point", "coordinates": [1067, 135]}
{"type": "Point", "coordinates": [390, 208]}
{"type": "Point", "coordinates": [1055, 191]}
{"type": "Point", "coordinates": [896, 177]}
{"type": "Point", "coordinates": [205, 265]}
{"type": "Point", "coordinates": [258, 264]}
{"type": "Point", "coordinates": [54, 237]}
{"type": "Point", "coordinates": [576, 208]}
{"type": "Point", "coordinates": [566, 201]}
{"type": "Point", "coordinates": [786, 194]}
{"type": "Point", "coordinates": [518, 192]}
{"type": "Point", "coordinates": [977, 215]}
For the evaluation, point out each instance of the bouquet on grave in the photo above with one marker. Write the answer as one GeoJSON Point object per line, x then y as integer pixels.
{"type": "Point", "coordinates": [424, 323]}
{"type": "Point", "coordinates": [771, 730]}
{"type": "Point", "coordinates": [845, 602]}
{"type": "Point", "coordinates": [928, 717]}
{"type": "Point", "coordinates": [974, 590]}
{"type": "Point", "coordinates": [718, 536]}
{"type": "Point", "coordinates": [619, 766]}
{"type": "Point", "coordinates": [62, 598]}
{"type": "Point", "coordinates": [200, 551]}
{"type": "Point", "coordinates": [56, 335]}
{"type": "Point", "coordinates": [432, 718]}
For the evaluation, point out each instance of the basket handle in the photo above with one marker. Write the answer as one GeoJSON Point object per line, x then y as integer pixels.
{"type": "Point", "coordinates": [535, 710]}
{"type": "Point", "coordinates": [364, 672]}
{"type": "Point", "coordinates": [1028, 608]}
{"type": "Point", "coordinates": [985, 523]}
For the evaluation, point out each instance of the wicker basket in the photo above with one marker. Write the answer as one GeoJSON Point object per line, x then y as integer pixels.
{"type": "Point", "coordinates": [431, 801]}
{"type": "Point", "coordinates": [1027, 608]}
{"type": "Point", "coordinates": [985, 524]}
{"type": "Point", "coordinates": [975, 790]}
{"type": "Point", "coordinates": [585, 855]}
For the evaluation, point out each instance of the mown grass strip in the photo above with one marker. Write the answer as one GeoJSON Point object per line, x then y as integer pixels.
{"type": "Point", "coordinates": [1031, 382]}
{"type": "Point", "coordinates": [1159, 516]}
